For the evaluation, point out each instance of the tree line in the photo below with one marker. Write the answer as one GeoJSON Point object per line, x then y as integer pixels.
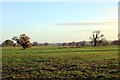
{"type": "Point", "coordinates": [96, 39]}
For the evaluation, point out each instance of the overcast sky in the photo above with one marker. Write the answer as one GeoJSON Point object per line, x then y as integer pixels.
{"type": "Point", "coordinates": [59, 21]}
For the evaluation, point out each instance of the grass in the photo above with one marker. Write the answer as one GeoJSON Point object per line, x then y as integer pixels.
{"type": "Point", "coordinates": [93, 63]}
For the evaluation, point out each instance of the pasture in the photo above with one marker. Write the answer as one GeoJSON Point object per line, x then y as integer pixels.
{"type": "Point", "coordinates": [85, 63]}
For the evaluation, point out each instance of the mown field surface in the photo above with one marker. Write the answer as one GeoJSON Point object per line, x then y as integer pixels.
{"type": "Point", "coordinates": [39, 63]}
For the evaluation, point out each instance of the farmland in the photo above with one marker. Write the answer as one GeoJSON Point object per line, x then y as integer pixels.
{"type": "Point", "coordinates": [93, 63]}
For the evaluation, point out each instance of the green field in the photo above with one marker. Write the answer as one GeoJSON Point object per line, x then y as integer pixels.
{"type": "Point", "coordinates": [85, 63]}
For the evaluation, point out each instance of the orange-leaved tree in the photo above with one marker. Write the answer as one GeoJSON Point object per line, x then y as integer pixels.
{"type": "Point", "coordinates": [23, 40]}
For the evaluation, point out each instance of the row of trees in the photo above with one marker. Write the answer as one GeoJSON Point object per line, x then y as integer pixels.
{"type": "Point", "coordinates": [97, 39]}
{"type": "Point", "coordinates": [77, 44]}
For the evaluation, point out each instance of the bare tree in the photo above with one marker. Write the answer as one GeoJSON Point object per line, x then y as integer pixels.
{"type": "Point", "coordinates": [46, 44]}
{"type": "Point", "coordinates": [115, 42]}
{"type": "Point", "coordinates": [35, 44]}
{"type": "Point", "coordinates": [83, 43]}
{"type": "Point", "coordinates": [96, 36]}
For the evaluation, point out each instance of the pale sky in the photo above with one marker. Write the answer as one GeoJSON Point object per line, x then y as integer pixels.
{"type": "Point", "coordinates": [59, 21]}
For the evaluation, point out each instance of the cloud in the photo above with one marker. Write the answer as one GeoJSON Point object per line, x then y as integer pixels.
{"type": "Point", "coordinates": [79, 23]}
{"type": "Point", "coordinates": [87, 23]}
{"type": "Point", "coordinates": [108, 11]}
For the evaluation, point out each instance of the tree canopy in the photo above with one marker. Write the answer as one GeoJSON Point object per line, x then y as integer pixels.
{"type": "Point", "coordinates": [23, 40]}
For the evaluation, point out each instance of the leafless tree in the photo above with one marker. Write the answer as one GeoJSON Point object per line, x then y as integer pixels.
{"type": "Point", "coordinates": [96, 36]}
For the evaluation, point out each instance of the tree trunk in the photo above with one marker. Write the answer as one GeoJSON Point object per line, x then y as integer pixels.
{"type": "Point", "coordinates": [95, 42]}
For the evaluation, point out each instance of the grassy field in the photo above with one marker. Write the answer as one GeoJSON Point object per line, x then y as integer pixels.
{"type": "Point", "coordinates": [85, 63]}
